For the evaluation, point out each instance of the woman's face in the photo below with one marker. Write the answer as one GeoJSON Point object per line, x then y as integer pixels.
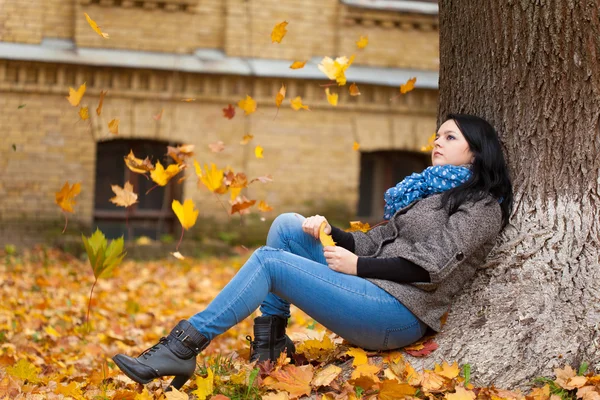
{"type": "Point", "coordinates": [450, 146]}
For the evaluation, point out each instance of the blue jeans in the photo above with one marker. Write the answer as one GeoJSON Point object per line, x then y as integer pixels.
{"type": "Point", "coordinates": [291, 268]}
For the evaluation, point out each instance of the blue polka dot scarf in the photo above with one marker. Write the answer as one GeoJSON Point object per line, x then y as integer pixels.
{"type": "Point", "coordinates": [435, 179]}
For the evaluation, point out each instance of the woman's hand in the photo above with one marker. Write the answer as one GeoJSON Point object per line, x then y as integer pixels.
{"type": "Point", "coordinates": [341, 260]}
{"type": "Point", "coordinates": [312, 224]}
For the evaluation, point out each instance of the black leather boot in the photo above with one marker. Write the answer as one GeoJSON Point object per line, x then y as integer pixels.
{"type": "Point", "coordinates": [172, 355]}
{"type": "Point", "coordinates": [270, 339]}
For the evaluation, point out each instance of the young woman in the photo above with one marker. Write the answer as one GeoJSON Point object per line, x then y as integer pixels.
{"type": "Point", "coordinates": [380, 289]}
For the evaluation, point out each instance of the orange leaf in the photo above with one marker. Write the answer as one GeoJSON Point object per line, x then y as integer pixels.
{"type": "Point", "coordinates": [297, 104]}
{"type": "Point", "coordinates": [76, 95]}
{"type": "Point", "coordinates": [325, 376]}
{"type": "Point", "coordinates": [326, 240]}
{"type": "Point", "coordinates": [99, 109]}
{"type": "Point", "coordinates": [298, 64]}
{"type": "Point", "coordinates": [353, 89]}
{"type": "Point", "coordinates": [365, 376]}
{"type": "Point", "coordinates": [248, 105]}
{"type": "Point", "coordinates": [408, 86]}
{"type": "Point", "coordinates": [242, 204]}
{"type": "Point", "coordinates": [362, 42]}
{"type": "Point", "coordinates": [280, 96]}
{"type": "Point", "coordinates": [188, 100]}
{"type": "Point", "coordinates": [360, 357]}
{"type": "Point", "coordinates": [461, 394]}
{"type": "Point", "coordinates": [124, 195]}
{"type": "Point", "coordinates": [229, 112]}
{"type": "Point", "coordinates": [84, 113]}
{"type": "Point", "coordinates": [278, 32]}
{"type": "Point", "coordinates": [217, 147]}
{"type": "Point", "coordinates": [264, 207]}
{"type": "Point", "coordinates": [391, 390]}
{"type": "Point", "coordinates": [292, 379]}
{"type": "Point", "coordinates": [433, 382]}
{"type": "Point", "coordinates": [247, 137]}
{"type": "Point", "coordinates": [316, 350]}
{"type": "Point", "coordinates": [355, 146]}
{"type": "Point", "coordinates": [113, 126]}
{"type": "Point", "coordinates": [162, 176]}
{"type": "Point", "coordinates": [71, 390]}
{"type": "Point", "coordinates": [179, 153]}
{"type": "Point", "coordinates": [95, 26]}
{"type": "Point", "coordinates": [65, 197]}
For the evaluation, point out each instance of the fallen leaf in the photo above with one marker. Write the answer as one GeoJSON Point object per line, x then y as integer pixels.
{"type": "Point", "coordinates": [391, 390]}
{"type": "Point", "coordinates": [449, 371]}
{"type": "Point", "coordinates": [360, 356]}
{"type": "Point", "coordinates": [24, 370]}
{"type": "Point", "coordinates": [331, 98]}
{"type": "Point", "coordinates": [113, 126]}
{"type": "Point", "coordinates": [205, 385]}
{"type": "Point", "coordinates": [95, 26]}
{"type": "Point", "coordinates": [292, 379]}
{"type": "Point", "coordinates": [65, 198]}
{"type": "Point", "coordinates": [365, 376]}
{"type": "Point", "coordinates": [278, 32]}
{"type": "Point", "coordinates": [75, 95]}
{"type": "Point", "coordinates": [460, 394]}
{"type": "Point", "coordinates": [99, 109]}
{"type": "Point", "coordinates": [317, 350]}
{"type": "Point", "coordinates": [353, 89]}
{"type": "Point", "coordinates": [298, 64]}
{"type": "Point", "coordinates": [125, 196]}
{"type": "Point", "coordinates": [428, 347]}
{"type": "Point", "coordinates": [186, 213]}
{"type": "Point", "coordinates": [297, 104]}
{"type": "Point", "coordinates": [258, 152]}
{"type": "Point", "coordinates": [70, 391]}
{"type": "Point", "coordinates": [229, 112]}
{"type": "Point", "coordinates": [325, 376]}
{"type": "Point", "coordinates": [175, 394]}
{"type": "Point", "coordinates": [433, 382]}
{"type": "Point", "coordinates": [248, 105]}
{"type": "Point", "coordinates": [362, 42]}
{"type": "Point", "coordinates": [21, 106]}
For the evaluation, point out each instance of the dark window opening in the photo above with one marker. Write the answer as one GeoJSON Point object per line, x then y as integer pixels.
{"type": "Point", "coordinates": [379, 171]}
{"type": "Point", "coordinates": [152, 215]}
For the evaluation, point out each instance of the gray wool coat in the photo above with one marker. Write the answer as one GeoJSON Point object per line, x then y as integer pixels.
{"type": "Point", "coordinates": [450, 248]}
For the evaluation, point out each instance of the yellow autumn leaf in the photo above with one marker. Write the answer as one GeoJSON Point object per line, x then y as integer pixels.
{"type": "Point", "coordinates": [353, 89]}
{"type": "Point", "coordinates": [298, 64]}
{"type": "Point", "coordinates": [84, 113]}
{"type": "Point", "coordinates": [70, 391]}
{"type": "Point", "coordinates": [24, 370]}
{"type": "Point", "coordinates": [125, 196]}
{"type": "Point", "coordinates": [65, 197]}
{"type": "Point", "coordinates": [355, 146]}
{"type": "Point", "coordinates": [162, 176]}
{"type": "Point", "coordinates": [76, 95]}
{"type": "Point", "coordinates": [362, 42]}
{"type": "Point", "coordinates": [213, 178]}
{"type": "Point", "coordinates": [248, 137]}
{"type": "Point", "coordinates": [326, 240]}
{"type": "Point", "coordinates": [316, 350]}
{"type": "Point", "coordinates": [358, 226]}
{"type": "Point", "coordinates": [137, 165]}
{"type": "Point", "coordinates": [335, 69]}
{"type": "Point", "coordinates": [325, 376]}
{"type": "Point", "coordinates": [392, 390]}
{"type": "Point", "coordinates": [186, 213]}
{"type": "Point", "coordinates": [248, 105]}
{"type": "Point", "coordinates": [433, 382]}
{"type": "Point", "coordinates": [264, 207]}
{"type": "Point", "coordinates": [449, 371]}
{"type": "Point", "coordinates": [332, 98]}
{"type": "Point", "coordinates": [296, 104]}
{"type": "Point", "coordinates": [205, 385]}
{"type": "Point", "coordinates": [278, 32]}
{"type": "Point", "coordinates": [52, 332]}
{"type": "Point", "coordinates": [95, 26]}
{"type": "Point", "coordinates": [292, 379]}
{"type": "Point", "coordinates": [99, 109]}
{"type": "Point", "coordinates": [175, 394]}
{"type": "Point", "coordinates": [258, 152]}
{"type": "Point", "coordinates": [360, 357]}
{"type": "Point", "coordinates": [365, 376]}
{"type": "Point", "coordinates": [280, 96]}
{"type": "Point", "coordinates": [408, 86]}
{"type": "Point", "coordinates": [113, 126]}
{"type": "Point", "coordinates": [145, 395]}
{"type": "Point", "coordinates": [234, 192]}
{"type": "Point", "coordinates": [460, 394]}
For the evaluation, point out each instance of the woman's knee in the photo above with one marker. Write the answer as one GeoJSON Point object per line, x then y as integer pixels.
{"type": "Point", "coordinates": [285, 224]}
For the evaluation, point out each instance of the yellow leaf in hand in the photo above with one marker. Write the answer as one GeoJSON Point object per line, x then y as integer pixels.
{"type": "Point", "coordinates": [124, 195]}
{"type": "Point", "coordinates": [326, 240]}
{"type": "Point", "coordinates": [258, 152]}
{"type": "Point", "coordinates": [99, 109]}
{"type": "Point", "coordinates": [113, 126]}
{"type": "Point", "coordinates": [331, 98]}
{"type": "Point", "coordinates": [65, 197]}
{"type": "Point", "coordinates": [162, 176]}
{"type": "Point", "coordinates": [278, 32]}
{"type": "Point", "coordinates": [95, 26]}
{"type": "Point", "coordinates": [76, 95]}
{"type": "Point", "coordinates": [84, 113]}
{"type": "Point", "coordinates": [297, 104]}
{"type": "Point", "coordinates": [248, 137]}
{"type": "Point", "coordinates": [186, 213]}
{"type": "Point", "coordinates": [408, 86]}
{"type": "Point", "coordinates": [298, 64]}
{"type": "Point", "coordinates": [362, 42]}
{"type": "Point", "coordinates": [248, 105]}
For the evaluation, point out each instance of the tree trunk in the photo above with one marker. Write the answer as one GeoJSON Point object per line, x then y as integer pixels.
{"type": "Point", "coordinates": [531, 68]}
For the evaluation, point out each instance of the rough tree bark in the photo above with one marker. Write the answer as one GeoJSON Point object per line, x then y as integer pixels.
{"type": "Point", "coordinates": [531, 68]}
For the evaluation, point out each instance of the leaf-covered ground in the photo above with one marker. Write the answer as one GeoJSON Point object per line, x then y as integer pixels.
{"type": "Point", "coordinates": [47, 350]}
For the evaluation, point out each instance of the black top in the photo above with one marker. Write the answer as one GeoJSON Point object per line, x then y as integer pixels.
{"type": "Point", "coordinates": [396, 269]}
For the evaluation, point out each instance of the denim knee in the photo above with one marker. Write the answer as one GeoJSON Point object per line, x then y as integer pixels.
{"type": "Point", "coordinates": [283, 226]}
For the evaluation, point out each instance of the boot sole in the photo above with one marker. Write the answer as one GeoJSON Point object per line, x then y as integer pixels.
{"type": "Point", "coordinates": [130, 374]}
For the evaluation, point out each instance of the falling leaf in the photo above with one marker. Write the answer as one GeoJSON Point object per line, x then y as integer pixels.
{"type": "Point", "coordinates": [24, 370]}
{"type": "Point", "coordinates": [84, 113]}
{"type": "Point", "coordinates": [298, 64]}
{"type": "Point", "coordinates": [248, 105]}
{"type": "Point", "coordinates": [125, 196]}
{"type": "Point", "coordinates": [360, 357]}
{"type": "Point", "coordinates": [353, 89]}
{"type": "Point", "coordinates": [278, 32]}
{"type": "Point", "coordinates": [247, 137]}
{"type": "Point", "coordinates": [430, 143]}
{"type": "Point", "coordinates": [178, 255]}
{"type": "Point", "coordinates": [355, 146]}
{"type": "Point", "coordinates": [188, 100]}
{"type": "Point", "coordinates": [242, 204]}
{"type": "Point", "coordinates": [186, 213]}
{"type": "Point", "coordinates": [217, 147]}
{"type": "Point", "coordinates": [392, 390]}
{"type": "Point", "coordinates": [179, 153]}
{"type": "Point", "coordinates": [158, 116]}
{"type": "Point", "coordinates": [21, 106]}
{"type": "Point", "coordinates": [326, 240]}
{"type": "Point", "coordinates": [362, 42]}
{"type": "Point", "coordinates": [75, 95]}
{"type": "Point", "coordinates": [297, 104]}
{"type": "Point", "coordinates": [264, 207]}
{"type": "Point", "coordinates": [162, 176]}
{"type": "Point", "coordinates": [331, 98]}
{"type": "Point", "coordinates": [113, 126]}
{"type": "Point", "coordinates": [99, 109]}
{"type": "Point", "coordinates": [258, 152]}
{"type": "Point", "coordinates": [137, 165]}
{"type": "Point", "coordinates": [408, 86]}
{"type": "Point", "coordinates": [292, 379]}
{"type": "Point", "coordinates": [229, 112]}
{"type": "Point", "coordinates": [280, 96]}
{"type": "Point", "coordinates": [325, 376]}
{"type": "Point", "coordinates": [65, 198]}
{"type": "Point", "coordinates": [212, 179]}
{"type": "Point", "coordinates": [335, 69]}
{"type": "Point", "coordinates": [263, 179]}
{"type": "Point", "coordinates": [95, 26]}
{"type": "Point", "coordinates": [205, 385]}
{"type": "Point", "coordinates": [103, 257]}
